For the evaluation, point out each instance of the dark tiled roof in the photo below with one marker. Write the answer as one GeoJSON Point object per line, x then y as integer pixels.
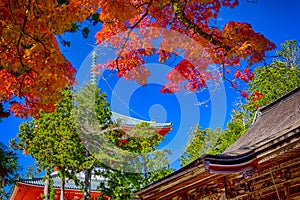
{"type": "Point", "coordinates": [70, 184]}
{"type": "Point", "coordinates": [274, 121]}
{"type": "Point", "coordinates": [277, 123]}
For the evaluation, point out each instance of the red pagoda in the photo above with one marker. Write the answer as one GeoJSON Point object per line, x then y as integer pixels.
{"type": "Point", "coordinates": [32, 189]}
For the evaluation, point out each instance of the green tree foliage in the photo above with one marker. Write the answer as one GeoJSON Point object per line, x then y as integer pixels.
{"type": "Point", "coordinates": [8, 169]}
{"type": "Point", "coordinates": [119, 185]}
{"type": "Point", "coordinates": [71, 139]}
{"type": "Point", "coordinates": [148, 166]}
{"type": "Point", "coordinates": [201, 141]}
{"type": "Point", "coordinates": [93, 118]}
{"type": "Point", "coordinates": [275, 80]}
{"type": "Point", "coordinates": [236, 127]}
{"type": "Point", "coordinates": [269, 83]}
{"type": "Point", "coordinates": [53, 139]}
{"type": "Point", "coordinates": [151, 162]}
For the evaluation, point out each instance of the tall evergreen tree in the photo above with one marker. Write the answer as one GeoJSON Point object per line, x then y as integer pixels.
{"type": "Point", "coordinates": [9, 169]}
{"type": "Point", "coordinates": [92, 116]}
{"type": "Point", "coordinates": [147, 166]}
{"type": "Point", "coordinates": [54, 139]}
{"type": "Point", "coordinates": [201, 141]}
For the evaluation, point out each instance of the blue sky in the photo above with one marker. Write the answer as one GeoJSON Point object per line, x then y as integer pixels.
{"type": "Point", "coordinates": [276, 20]}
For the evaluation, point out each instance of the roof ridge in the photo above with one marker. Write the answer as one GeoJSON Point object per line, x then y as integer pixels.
{"type": "Point", "coordinates": [288, 95]}
{"type": "Point", "coordinates": [69, 183]}
{"type": "Point", "coordinates": [140, 120]}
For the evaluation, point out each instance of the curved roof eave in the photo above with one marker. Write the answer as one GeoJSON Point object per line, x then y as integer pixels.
{"type": "Point", "coordinates": [131, 121]}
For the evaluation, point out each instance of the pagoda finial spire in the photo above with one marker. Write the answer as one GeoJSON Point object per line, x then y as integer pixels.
{"type": "Point", "coordinates": [93, 75]}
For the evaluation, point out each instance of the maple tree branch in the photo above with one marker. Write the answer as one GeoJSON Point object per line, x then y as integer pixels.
{"type": "Point", "coordinates": [27, 69]}
{"type": "Point", "coordinates": [179, 9]}
{"type": "Point", "coordinates": [232, 83]}
{"type": "Point", "coordinates": [228, 80]}
{"type": "Point", "coordinates": [131, 29]}
{"type": "Point", "coordinates": [21, 35]}
{"type": "Point", "coordinates": [144, 15]}
{"type": "Point", "coordinates": [6, 49]}
{"type": "Point", "coordinates": [179, 13]}
{"type": "Point", "coordinates": [11, 12]}
{"type": "Point", "coordinates": [22, 32]}
{"type": "Point", "coordinates": [19, 53]}
{"type": "Point", "coordinates": [146, 3]}
{"type": "Point", "coordinates": [36, 40]}
{"type": "Point", "coordinates": [21, 85]}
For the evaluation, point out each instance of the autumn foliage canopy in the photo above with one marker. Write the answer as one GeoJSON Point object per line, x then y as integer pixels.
{"type": "Point", "coordinates": [33, 68]}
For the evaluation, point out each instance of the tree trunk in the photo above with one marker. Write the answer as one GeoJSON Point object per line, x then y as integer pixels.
{"type": "Point", "coordinates": [47, 185]}
{"type": "Point", "coordinates": [62, 188]}
{"type": "Point", "coordinates": [87, 184]}
{"type": "Point", "coordinates": [145, 168]}
{"type": "Point", "coordinates": [87, 181]}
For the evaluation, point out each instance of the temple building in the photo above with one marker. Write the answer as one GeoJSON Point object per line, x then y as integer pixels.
{"type": "Point", "coordinates": [129, 122]}
{"type": "Point", "coordinates": [32, 189]}
{"type": "Point", "coordinates": [262, 164]}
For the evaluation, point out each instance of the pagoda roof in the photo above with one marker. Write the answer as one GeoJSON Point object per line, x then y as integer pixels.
{"type": "Point", "coordinates": [27, 186]}
{"type": "Point", "coordinates": [28, 189]}
{"type": "Point", "coordinates": [131, 121]}
{"type": "Point", "coordinates": [69, 184]}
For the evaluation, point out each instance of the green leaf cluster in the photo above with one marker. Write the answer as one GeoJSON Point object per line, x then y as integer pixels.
{"type": "Point", "coordinates": [54, 139]}
{"type": "Point", "coordinates": [201, 141]}
{"type": "Point", "coordinates": [273, 81]}
{"type": "Point", "coordinates": [278, 78]}
{"type": "Point", "coordinates": [147, 166]}
{"type": "Point", "coordinates": [82, 123]}
{"type": "Point", "coordinates": [9, 169]}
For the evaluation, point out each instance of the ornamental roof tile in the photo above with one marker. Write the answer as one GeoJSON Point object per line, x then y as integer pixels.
{"type": "Point", "coordinates": [70, 184]}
